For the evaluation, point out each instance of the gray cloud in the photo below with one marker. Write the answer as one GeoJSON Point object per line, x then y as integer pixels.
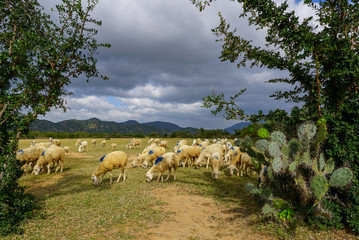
{"type": "Point", "coordinates": [163, 60]}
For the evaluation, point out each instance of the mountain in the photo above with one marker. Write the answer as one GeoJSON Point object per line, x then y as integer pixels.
{"type": "Point", "coordinates": [96, 125]}
{"type": "Point", "coordinates": [237, 126]}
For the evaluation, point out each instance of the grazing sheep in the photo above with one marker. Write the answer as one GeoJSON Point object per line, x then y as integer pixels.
{"type": "Point", "coordinates": [207, 152]}
{"type": "Point", "coordinates": [165, 162]}
{"type": "Point", "coordinates": [235, 162]}
{"type": "Point", "coordinates": [114, 160]}
{"type": "Point", "coordinates": [229, 154]}
{"type": "Point", "coordinates": [103, 143]}
{"type": "Point", "coordinates": [139, 158]}
{"type": "Point", "coordinates": [83, 146]}
{"type": "Point", "coordinates": [43, 144]}
{"type": "Point", "coordinates": [204, 144]}
{"type": "Point", "coordinates": [148, 148]}
{"type": "Point", "coordinates": [67, 149]}
{"type": "Point", "coordinates": [29, 156]}
{"type": "Point", "coordinates": [57, 142]}
{"type": "Point", "coordinates": [113, 146]}
{"type": "Point", "coordinates": [246, 164]}
{"type": "Point", "coordinates": [156, 140]}
{"type": "Point", "coordinates": [78, 142]}
{"type": "Point", "coordinates": [94, 142]}
{"type": "Point", "coordinates": [216, 162]}
{"type": "Point", "coordinates": [134, 143]}
{"type": "Point", "coordinates": [152, 155]}
{"type": "Point", "coordinates": [187, 153]}
{"type": "Point", "coordinates": [164, 144]}
{"type": "Point", "coordinates": [53, 154]}
{"type": "Point", "coordinates": [179, 144]}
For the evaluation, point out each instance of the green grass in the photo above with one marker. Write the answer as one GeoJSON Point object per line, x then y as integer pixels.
{"type": "Point", "coordinates": [72, 208]}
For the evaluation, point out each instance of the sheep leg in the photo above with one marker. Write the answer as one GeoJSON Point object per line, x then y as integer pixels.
{"type": "Point", "coordinates": [207, 163]}
{"type": "Point", "coordinates": [48, 168]}
{"type": "Point", "coordinates": [110, 177]}
{"type": "Point", "coordinates": [101, 178]}
{"type": "Point", "coordinates": [174, 174]}
{"type": "Point", "coordinates": [169, 174]}
{"type": "Point", "coordinates": [159, 176]}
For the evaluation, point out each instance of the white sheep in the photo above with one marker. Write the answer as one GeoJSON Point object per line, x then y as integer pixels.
{"type": "Point", "coordinates": [43, 144]}
{"type": "Point", "coordinates": [29, 156]}
{"type": "Point", "coordinates": [113, 146]}
{"type": "Point", "coordinates": [57, 142]}
{"type": "Point", "coordinates": [67, 149]}
{"type": "Point", "coordinates": [138, 160]}
{"type": "Point", "coordinates": [235, 162]}
{"type": "Point", "coordinates": [165, 162]}
{"type": "Point", "coordinates": [164, 144]}
{"type": "Point", "coordinates": [78, 142]}
{"type": "Point", "coordinates": [53, 154]}
{"type": "Point", "coordinates": [134, 143]}
{"type": "Point", "coordinates": [207, 153]}
{"type": "Point", "coordinates": [229, 154]}
{"type": "Point", "coordinates": [114, 160]}
{"type": "Point", "coordinates": [179, 144]}
{"type": "Point", "coordinates": [188, 152]}
{"type": "Point", "coordinates": [216, 162]}
{"type": "Point", "coordinates": [94, 142]}
{"type": "Point", "coordinates": [148, 148]}
{"type": "Point", "coordinates": [152, 155]}
{"type": "Point", "coordinates": [204, 144]}
{"type": "Point", "coordinates": [83, 146]}
{"type": "Point", "coordinates": [103, 143]}
{"type": "Point", "coordinates": [246, 164]}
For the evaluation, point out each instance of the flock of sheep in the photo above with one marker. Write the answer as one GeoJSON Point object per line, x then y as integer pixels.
{"type": "Point", "coordinates": [42, 156]}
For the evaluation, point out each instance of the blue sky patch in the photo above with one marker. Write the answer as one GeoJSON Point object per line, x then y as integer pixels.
{"type": "Point", "coordinates": [116, 102]}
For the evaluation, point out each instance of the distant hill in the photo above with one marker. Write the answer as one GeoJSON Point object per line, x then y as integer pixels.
{"type": "Point", "coordinates": [94, 125]}
{"type": "Point", "coordinates": [237, 126]}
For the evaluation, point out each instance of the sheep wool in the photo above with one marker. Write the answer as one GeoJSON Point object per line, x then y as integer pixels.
{"type": "Point", "coordinates": [108, 162]}
{"type": "Point", "coordinates": [167, 161]}
{"type": "Point", "coordinates": [53, 154]}
{"type": "Point", "coordinates": [29, 156]}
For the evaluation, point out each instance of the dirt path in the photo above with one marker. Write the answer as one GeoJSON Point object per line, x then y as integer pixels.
{"type": "Point", "coordinates": [198, 217]}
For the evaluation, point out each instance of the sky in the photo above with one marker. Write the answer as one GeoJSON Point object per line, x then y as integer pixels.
{"type": "Point", "coordinates": [163, 60]}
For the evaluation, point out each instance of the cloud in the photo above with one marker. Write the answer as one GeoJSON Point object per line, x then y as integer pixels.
{"type": "Point", "coordinates": [164, 60]}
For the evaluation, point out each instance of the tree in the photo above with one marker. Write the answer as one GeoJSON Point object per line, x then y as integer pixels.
{"type": "Point", "coordinates": [39, 57]}
{"type": "Point", "coordinates": [321, 55]}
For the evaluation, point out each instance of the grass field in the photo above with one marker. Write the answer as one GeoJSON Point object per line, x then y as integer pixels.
{"type": "Point", "coordinates": [72, 208]}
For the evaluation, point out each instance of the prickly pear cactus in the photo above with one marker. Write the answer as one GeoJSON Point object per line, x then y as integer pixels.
{"type": "Point", "coordinates": [321, 162]}
{"type": "Point", "coordinates": [307, 131]}
{"type": "Point", "coordinates": [262, 145]}
{"type": "Point", "coordinates": [274, 150]}
{"type": "Point", "coordinates": [341, 177]}
{"type": "Point", "coordinates": [267, 210]}
{"type": "Point", "coordinates": [277, 164]}
{"type": "Point", "coordinates": [251, 188]}
{"type": "Point", "coordinates": [319, 186]}
{"type": "Point", "coordinates": [329, 166]}
{"type": "Point", "coordinates": [279, 138]}
{"type": "Point", "coordinates": [263, 133]}
{"type": "Point", "coordinates": [292, 167]}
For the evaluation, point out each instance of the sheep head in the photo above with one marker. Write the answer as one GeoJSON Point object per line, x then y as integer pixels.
{"type": "Point", "coordinates": [231, 169]}
{"type": "Point", "coordinates": [215, 175]}
{"type": "Point", "coordinates": [149, 176]}
{"type": "Point", "coordinates": [95, 180]}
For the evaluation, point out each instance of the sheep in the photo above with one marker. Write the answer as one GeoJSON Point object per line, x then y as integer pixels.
{"type": "Point", "coordinates": [165, 162]}
{"type": "Point", "coordinates": [103, 143]}
{"type": "Point", "coordinates": [83, 146]}
{"type": "Point", "coordinates": [152, 155]}
{"type": "Point", "coordinates": [113, 160]}
{"type": "Point", "coordinates": [139, 158]}
{"type": "Point", "coordinates": [78, 142]}
{"type": "Point", "coordinates": [148, 148]}
{"type": "Point", "coordinates": [188, 152]}
{"type": "Point", "coordinates": [67, 149]}
{"type": "Point", "coordinates": [246, 164]}
{"type": "Point", "coordinates": [113, 146]}
{"type": "Point", "coordinates": [235, 162]}
{"type": "Point", "coordinates": [43, 144]}
{"type": "Point", "coordinates": [156, 140]}
{"type": "Point", "coordinates": [94, 142]}
{"type": "Point", "coordinates": [204, 144]}
{"type": "Point", "coordinates": [216, 162]}
{"type": "Point", "coordinates": [134, 143]}
{"type": "Point", "coordinates": [57, 142]}
{"type": "Point", "coordinates": [164, 144]}
{"type": "Point", "coordinates": [228, 156]}
{"type": "Point", "coordinates": [207, 152]}
{"type": "Point", "coordinates": [29, 156]}
{"type": "Point", "coordinates": [53, 154]}
{"type": "Point", "coordinates": [179, 144]}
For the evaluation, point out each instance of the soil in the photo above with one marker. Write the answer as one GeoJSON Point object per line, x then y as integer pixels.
{"type": "Point", "coordinates": [197, 217]}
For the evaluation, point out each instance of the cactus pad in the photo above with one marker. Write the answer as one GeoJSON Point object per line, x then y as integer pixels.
{"type": "Point", "coordinates": [274, 149]}
{"type": "Point", "coordinates": [319, 186]}
{"type": "Point", "coordinates": [294, 147]}
{"type": "Point", "coordinates": [292, 167]}
{"type": "Point", "coordinates": [262, 145]}
{"type": "Point", "coordinates": [266, 194]}
{"type": "Point", "coordinates": [277, 164]}
{"type": "Point", "coordinates": [329, 167]}
{"type": "Point", "coordinates": [252, 153]}
{"type": "Point", "coordinates": [267, 210]}
{"type": "Point", "coordinates": [237, 142]}
{"type": "Point", "coordinates": [307, 131]}
{"type": "Point", "coordinates": [263, 133]}
{"type": "Point", "coordinates": [341, 177]}
{"type": "Point", "coordinates": [285, 151]}
{"type": "Point", "coordinates": [251, 188]}
{"type": "Point", "coordinates": [280, 204]}
{"type": "Point", "coordinates": [321, 162]}
{"type": "Point", "coordinates": [278, 137]}
{"type": "Point", "coordinates": [247, 142]}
